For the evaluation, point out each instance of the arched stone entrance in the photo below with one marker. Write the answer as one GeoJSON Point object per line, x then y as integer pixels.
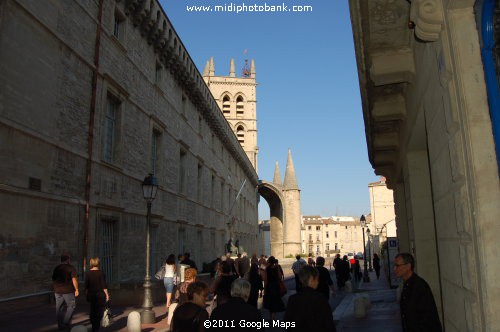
{"type": "Point", "coordinates": [285, 216]}
{"type": "Point", "coordinates": [275, 200]}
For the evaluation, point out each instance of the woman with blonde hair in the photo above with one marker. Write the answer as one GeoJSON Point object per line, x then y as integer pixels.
{"type": "Point", "coordinates": [96, 291]}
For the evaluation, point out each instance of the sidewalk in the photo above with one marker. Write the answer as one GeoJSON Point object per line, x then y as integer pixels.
{"type": "Point", "coordinates": [383, 316]}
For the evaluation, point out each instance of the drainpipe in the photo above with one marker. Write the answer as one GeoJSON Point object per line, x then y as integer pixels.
{"type": "Point", "coordinates": [488, 55]}
{"type": "Point", "coordinates": [90, 136]}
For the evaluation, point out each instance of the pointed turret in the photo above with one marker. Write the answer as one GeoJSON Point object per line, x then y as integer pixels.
{"type": "Point", "coordinates": [290, 181]}
{"type": "Point", "coordinates": [206, 69]}
{"type": "Point", "coordinates": [277, 175]}
{"type": "Point", "coordinates": [231, 68]}
{"type": "Point", "coordinates": [252, 69]}
{"type": "Point", "coordinates": [211, 67]}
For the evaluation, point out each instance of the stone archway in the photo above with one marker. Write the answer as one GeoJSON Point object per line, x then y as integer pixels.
{"type": "Point", "coordinates": [284, 203]}
{"type": "Point", "coordinates": [274, 198]}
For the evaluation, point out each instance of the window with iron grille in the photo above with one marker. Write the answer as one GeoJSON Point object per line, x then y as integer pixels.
{"type": "Point", "coordinates": [155, 142]}
{"type": "Point", "coordinates": [181, 238]}
{"type": "Point", "coordinates": [182, 171]}
{"type": "Point", "coordinates": [111, 128]}
{"type": "Point", "coordinates": [118, 25]}
{"type": "Point", "coordinates": [156, 258]}
{"type": "Point", "coordinates": [199, 183]}
{"type": "Point", "coordinates": [107, 250]}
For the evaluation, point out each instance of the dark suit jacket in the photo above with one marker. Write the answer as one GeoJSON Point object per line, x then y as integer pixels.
{"type": "Point", "coordinates": [310, 311]}
{"type": "Point", "coordinates": [236, 310]}
{"type": "Point", "coordinates": [418, 309]}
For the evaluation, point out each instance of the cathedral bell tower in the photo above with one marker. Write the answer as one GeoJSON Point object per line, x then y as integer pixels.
{"type": "Point", "coordinates": [236, 97]}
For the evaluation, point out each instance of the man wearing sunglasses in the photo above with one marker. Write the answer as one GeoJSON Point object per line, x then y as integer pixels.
{"type": "Point", "coordinates": [418, 309]}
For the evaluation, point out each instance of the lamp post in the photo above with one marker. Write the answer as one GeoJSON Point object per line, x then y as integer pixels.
{"type": "Point", "coordinates": [149, 190]}
{"type": "Point", "coordinates": [366, 277]}
{"type": "Point", "coordinates": [369, 249]}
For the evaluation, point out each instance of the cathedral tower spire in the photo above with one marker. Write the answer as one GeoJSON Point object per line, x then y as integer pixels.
{"type": "Point", "coordinates": [206, 69]}
{"type": "Point", "coordinates": [252, 69]}
{"type": "Point", "coordinates": [231, 68]}
{"type": "Point", "coordinates": [290, 181]}
{"type": "Point", "coordinates": [277, 175]}
{"type": "Point", "coordinates": [211, 70]}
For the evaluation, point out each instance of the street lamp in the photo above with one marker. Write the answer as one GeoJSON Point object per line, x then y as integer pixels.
{"type": "Point", "coordinates": [369, 249]}
{"type": "Point", "coordinates": [366, 278]}
{"type": "Point", "coordinates": [149, 190]}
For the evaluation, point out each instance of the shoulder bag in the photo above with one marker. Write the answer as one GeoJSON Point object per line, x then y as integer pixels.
{"type": "Point", "coordinates": [161, 273]}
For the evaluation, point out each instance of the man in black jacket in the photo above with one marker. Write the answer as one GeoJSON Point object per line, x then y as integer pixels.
{"type": "Point", "coordinates": [325, 285]}
{"type": "Point", "coordinates": [309, 310]}
{"type": "Point", "coordinates": [418, 309]}
{"type": "Point", "coordinates": [188, 261]}
{"type": "Point", "coordinates": [236, 314]}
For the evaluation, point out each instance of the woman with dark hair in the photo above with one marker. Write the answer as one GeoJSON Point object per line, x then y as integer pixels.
{"type": "Point", "coordinates": [272, 295]}
{"type": "Point", "coordinates": [190, 316]}
{"type": "Point", "coordinates": [97, 292]}
{"type": "Point", "coordinates": [222, 285]}
{"type": "Point", "coordinates": [168, 280]}
{"type": "Point", "coordinates": [256, 284]}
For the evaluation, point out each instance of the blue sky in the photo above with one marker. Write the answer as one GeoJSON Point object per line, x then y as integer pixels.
{"type": "Point", "coordinates": [308, 96]}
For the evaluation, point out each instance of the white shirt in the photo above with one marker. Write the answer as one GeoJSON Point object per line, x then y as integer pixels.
{"type": "Point", "coordinates": [169, 270]}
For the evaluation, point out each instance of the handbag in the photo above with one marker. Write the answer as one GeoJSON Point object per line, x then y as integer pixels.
{"type": "Point", "coordinates": [161, 273]}
{"type": "Point", "coordinates": [176, 279]}
{"type": "Point", "coordinates": [107, 318]}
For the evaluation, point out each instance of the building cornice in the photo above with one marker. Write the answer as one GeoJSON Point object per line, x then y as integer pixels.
{"type": "Point", "coordinates": [158, 31]}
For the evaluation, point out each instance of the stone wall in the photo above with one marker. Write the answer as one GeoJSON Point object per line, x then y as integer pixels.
{"type": "Point", "coordinates": [429, 132]}
{"type": "Point", "coordinates": [47, 120]}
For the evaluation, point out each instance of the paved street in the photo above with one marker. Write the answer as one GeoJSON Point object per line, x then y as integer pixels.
{"type": "Point", "coordinates": [383, 315]}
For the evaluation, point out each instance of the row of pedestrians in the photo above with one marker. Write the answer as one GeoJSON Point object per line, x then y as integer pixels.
{"type": "Point", "coordinates": [301, 309]}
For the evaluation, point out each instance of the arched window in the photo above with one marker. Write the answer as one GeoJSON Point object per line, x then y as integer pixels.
{"type": "Point", "coordinates": [239, 106]}
{"type": "Point", "coordinates": [226, 105]}
{"type": "Point", "coordinates": [240, 134]}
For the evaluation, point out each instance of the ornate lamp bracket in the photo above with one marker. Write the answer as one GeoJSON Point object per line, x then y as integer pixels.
{"type": "Point", "coordinates": [428, 18]}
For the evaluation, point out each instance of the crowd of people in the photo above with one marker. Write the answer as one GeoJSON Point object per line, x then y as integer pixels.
{"type": "Point", "coordinates": [237, 285]}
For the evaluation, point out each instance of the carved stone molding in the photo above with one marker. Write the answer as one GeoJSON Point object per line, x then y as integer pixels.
{"type": "Point", "coordinates": [176, 59]}
{"type": "Point", "coordinates": [392, 66]}
{"type": "Point", "coordinates": [386, 141]}
{"type": "Point", "coordinates": [382, 158]}
{"type": "Point", "coordinates": [391, 107]}
{"type": "Point", "coordinates": [428, 18]}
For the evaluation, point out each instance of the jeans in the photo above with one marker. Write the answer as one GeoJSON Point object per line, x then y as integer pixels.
{"type": "Point", "coordinates": [169, 284]}
{"type": "Point", "coordinates": [64, 318]}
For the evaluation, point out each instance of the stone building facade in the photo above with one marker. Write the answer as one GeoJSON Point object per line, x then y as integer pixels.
{"type": "Point", "coordinates": [429, 73]}
{"type": "Point", "coordinates": [94, 96]}
{"type": "Point", "coordinates": [383, 215]}
{"type": "Point", "coordinates": [328, 236]}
